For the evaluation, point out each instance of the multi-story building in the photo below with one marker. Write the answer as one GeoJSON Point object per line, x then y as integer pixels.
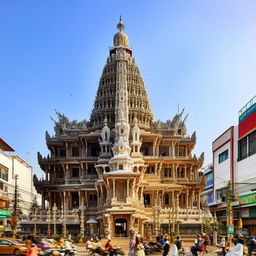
{"type": "Point", "coordinates": [12, 165]}
{"type": "Point", "coordinates": [121, 170]}
{"type": "Point", "coordinates": [207, 198]}
{"type": "Point", "coordinates": [234, 160]}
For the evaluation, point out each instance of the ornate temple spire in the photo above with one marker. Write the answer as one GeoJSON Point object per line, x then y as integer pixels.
{"type": "Point", "coordinates": [120, 25]}
{"type": "Point", "coordinates": [137, 103]}
{"type": "Point", "coordinates": [120, 38]}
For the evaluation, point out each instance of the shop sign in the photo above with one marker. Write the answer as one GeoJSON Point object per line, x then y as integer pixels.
{"type": "Point", "coordinates": [4, 213]}
{"type": "Point", "coordinates": [230, 229]}
{"type": "Point", "coordinates": [248, 199]}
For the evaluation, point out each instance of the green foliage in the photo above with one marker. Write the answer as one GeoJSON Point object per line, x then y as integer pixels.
{"type": "Point", "coordinates": [210, 227]}
{"type": "Point", "coordinates": [56, 237]}
{"type": "Point", "coordinates": [77, 237]}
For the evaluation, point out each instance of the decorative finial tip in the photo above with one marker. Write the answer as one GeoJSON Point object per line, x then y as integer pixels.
{"type": "Point", "coordinates": [120, 25]}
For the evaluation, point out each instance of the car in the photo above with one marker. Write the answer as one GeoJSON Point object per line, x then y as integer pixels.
{"type": "Point", "coordinates": [9, 246]}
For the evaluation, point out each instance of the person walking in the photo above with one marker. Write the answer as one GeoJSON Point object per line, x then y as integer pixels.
{"type": "Point", "coordinates": [33, 251]}
{"type": "Point", "coordinates": [132, 245]}
{"type": "Point", "coordinates": [139, 249]}
{"type": "Point", "coordinates": [166, 247]}
{"type": "Point", "coordinates": [236, 250]}
{"type": "Point", "coordinates": [222, 245]}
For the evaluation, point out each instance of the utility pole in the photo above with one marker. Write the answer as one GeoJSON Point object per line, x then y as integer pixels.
{"type": "Point", "coordinates": [15, 207]}
{"type": "Point", "coordinates": [229, 210]}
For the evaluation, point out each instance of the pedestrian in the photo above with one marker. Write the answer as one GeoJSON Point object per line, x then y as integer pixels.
{"type": "Point", "coordinates": [197, 246]}
{"type": "Point", "coordinates": [132, 245]}
{"type": "Point", "coordinates": [139, 249]}
{"type": "Point", "coordinates": [178, 243]}
{"type": "Point", "coordinates": [174, 250]}
{"type": "Point", "coordinates": [33, 251]}
{"type": "Point", "coordinates": [166, 247]}
{"type": "Point", "coordinates": [222, 245]}
{"type": "Point", "coordinates": [28, 243]}
{"type": "Point", "coordinates": [236, 250]}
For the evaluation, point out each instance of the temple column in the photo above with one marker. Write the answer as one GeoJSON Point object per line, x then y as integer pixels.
{"type": "Point", "coordinates": [128, 188]}
{"type": "Point", "coordinates": [187, 199]}
{"type": "Point", "coordinates": [192, 201]}
{"type": "Point", "coordinates": [198, 200]}
{"type": "Point", "coordinates": [64, 231]}
{"type": "Point", "coordinates": [114, 188]}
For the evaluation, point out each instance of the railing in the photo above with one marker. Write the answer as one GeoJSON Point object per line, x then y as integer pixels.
{"type": "Point", "coordinates": [243, 111]}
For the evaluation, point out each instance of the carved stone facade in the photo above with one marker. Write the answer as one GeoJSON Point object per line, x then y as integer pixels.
{"type": "Point", "coordinates": [121, 170]}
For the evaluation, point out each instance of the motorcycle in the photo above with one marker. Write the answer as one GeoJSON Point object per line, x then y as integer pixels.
{"type": "Point", "coordinates": [115, 252]}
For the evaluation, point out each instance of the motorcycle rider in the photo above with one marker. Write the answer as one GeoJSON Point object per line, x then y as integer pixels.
{"type": "Point", "coordinates": [110, 248]}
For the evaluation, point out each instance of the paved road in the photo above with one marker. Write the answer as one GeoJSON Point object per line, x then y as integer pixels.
{"type": "Point", "coordinates": [211, 251]}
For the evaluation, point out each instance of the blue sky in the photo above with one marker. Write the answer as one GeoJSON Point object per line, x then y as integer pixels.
{"type": "Point", "coordinates": [198, 54]}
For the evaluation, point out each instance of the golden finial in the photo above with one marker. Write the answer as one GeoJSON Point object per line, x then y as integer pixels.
{"type": "Point", "coordinates": [120, 25]}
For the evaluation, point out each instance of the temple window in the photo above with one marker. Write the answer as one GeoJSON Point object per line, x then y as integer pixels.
{"type": "Point", "coordinates": [93, 149]}
{"type": "Point", "coordinates": [91, 170]}
{"type": "Point", "coordinates": [92, 202]}
{"type": "Point", "coordinates": [121, 167]}
{"type": "Point", "coordinates": [181, 172]}
{"type": "Point", "coordinates": [166, 199]}
{"type": "Point", "coordinates": [75, 151]}
{"type": "Point", "coordinates": [182, 151]}
{"type": "Point", "coordinates": [147, 202]}
{"type": "Point", "coordinates": [164, 151]}
{"type": "Point", "coordinates": [75, 200]}
{"type": "Point", "coordinates": [59, 173]}
{"type": "Point", "coordinates": [167, 172]}
{"type": "Point", "coordinates": [75, 172]}
{"type": "Point", "coordinates": [150, 169]}
{"type": "Point", "coordinates": [62, 152]}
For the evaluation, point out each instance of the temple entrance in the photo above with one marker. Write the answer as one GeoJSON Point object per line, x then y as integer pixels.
{"type": "Point", "coordinates": [121, 227]}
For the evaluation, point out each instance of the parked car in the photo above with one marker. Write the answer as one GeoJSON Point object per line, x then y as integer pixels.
{"type": "Point", "coordinates": [9, 246]}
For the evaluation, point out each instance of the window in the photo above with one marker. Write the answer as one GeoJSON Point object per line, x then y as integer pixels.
{"type": "Point", "coordinates": [62, 152]}
{"type": "Point", "coordinates": [4, 172]}
{"type": "Point", "coordinates": [242, 148]}
{"type": "Point", "coordinates": [75, 151]}
{"type": "Point", "coordinates": [4, 242]}
{"type": "Point", "coordinates": [210, 197]}
{"type": "Point", "coordinates": [180, 172]}
{"type": "Point", "coordinates": [91, 170]}
{"type": "Point", "coordinates": [167, 172]}
{"type": "Point", "coordinates": [92, 200]}
{"type": "Point", "coordinates": [147, 199]}
{"type": "Point", "coordinates": [252, 143]}
{"type": "Point", "coordinates": [223, 156]}
{"type": "Point", "coordinates": [75, 172]}
{"type": "Point", "coordinates": [59, 173]}
{"type": "Point", "coordinates": [75, 200]}
{"type": "Point", "coordinates": [150, 170]}
{"type": "Point", "coordinates": [167, 199]}
{"type": "Point", "coordinates": [209, 179]}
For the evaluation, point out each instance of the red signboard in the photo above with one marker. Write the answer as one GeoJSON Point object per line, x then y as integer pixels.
{"type": "Point", "coordinates": [247, 125]}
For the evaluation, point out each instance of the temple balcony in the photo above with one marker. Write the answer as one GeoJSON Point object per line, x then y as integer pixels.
{"type": "Point", "coordinates": [71, 159]}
